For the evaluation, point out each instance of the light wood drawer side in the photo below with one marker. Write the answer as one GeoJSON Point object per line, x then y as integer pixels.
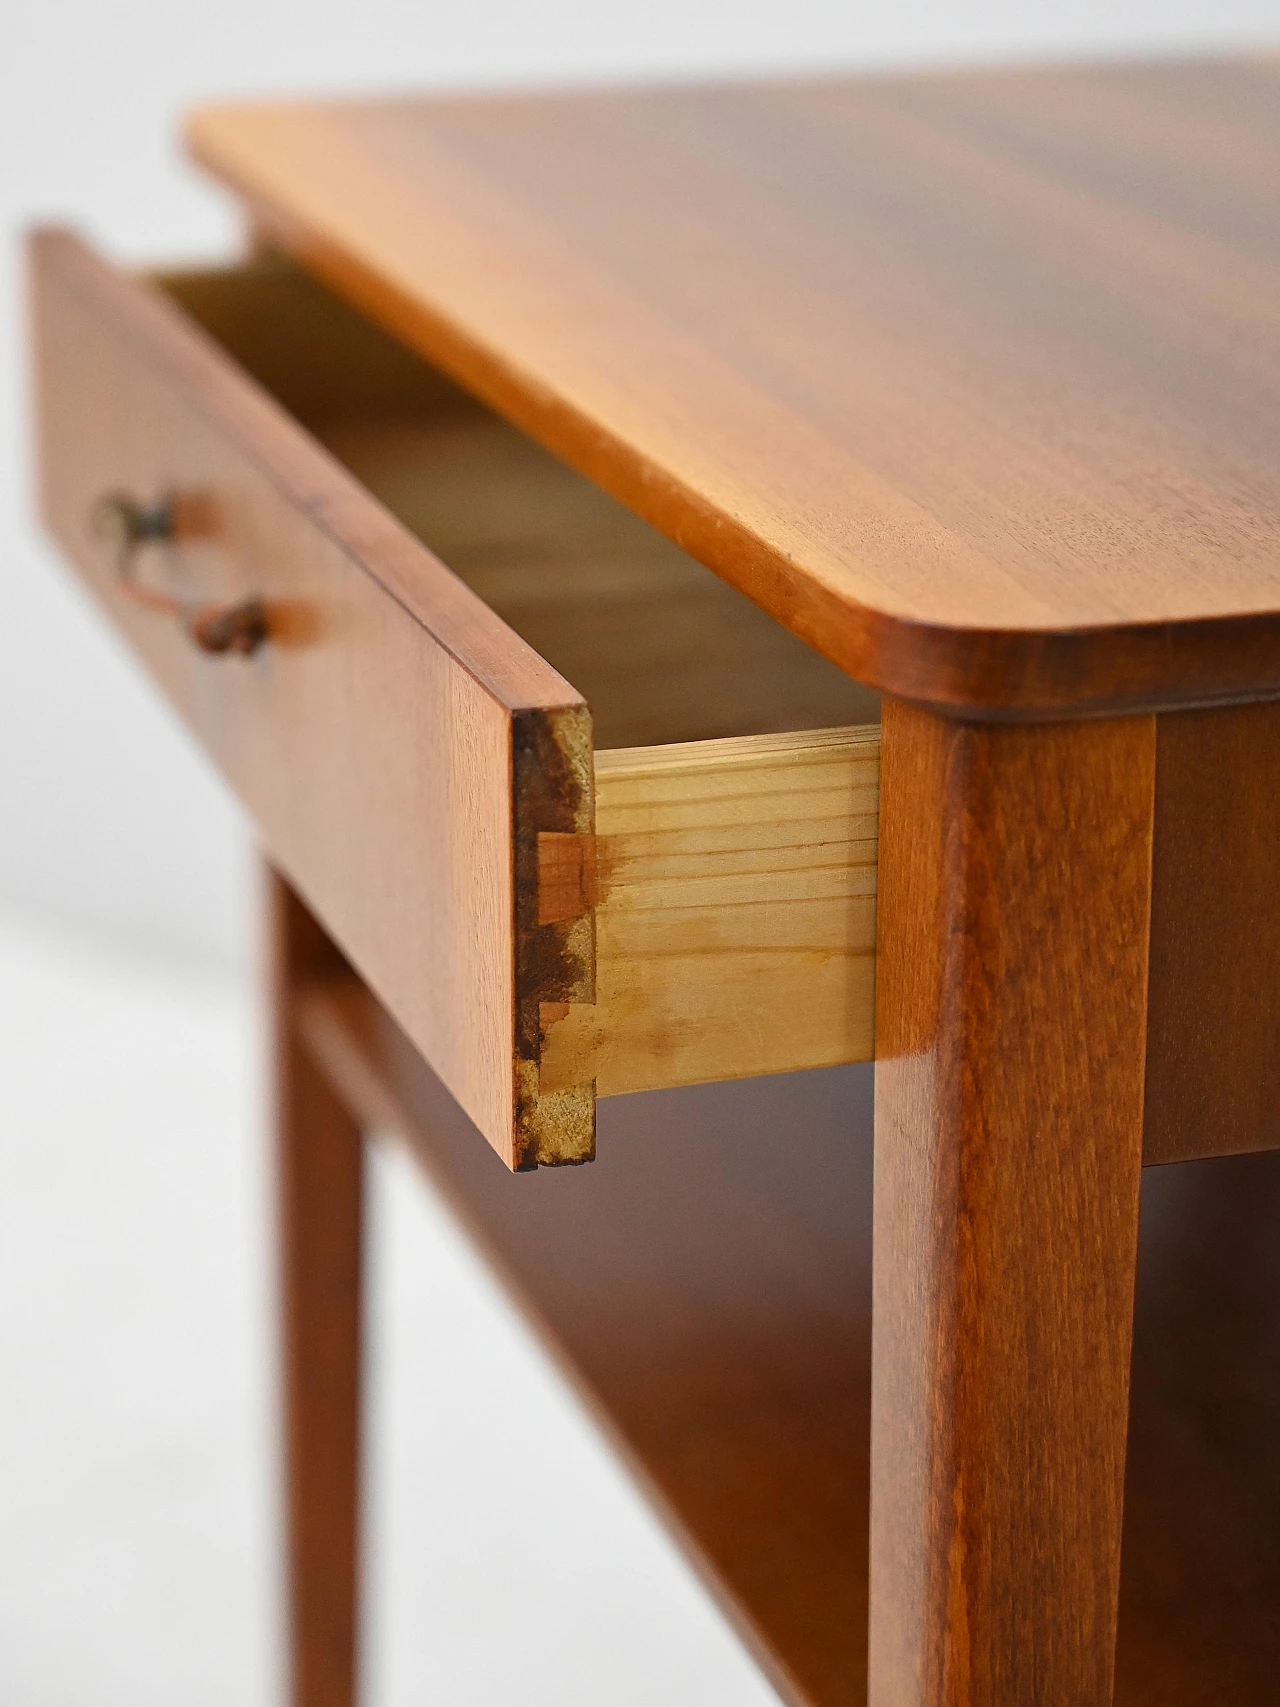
{"type": "Point", "coordinates": [735, 904]}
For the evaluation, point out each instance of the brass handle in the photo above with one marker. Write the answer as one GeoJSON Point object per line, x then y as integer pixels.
{"type": "Point", "coordinates": [213, 627]}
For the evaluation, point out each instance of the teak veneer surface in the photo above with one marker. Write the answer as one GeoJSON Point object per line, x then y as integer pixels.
{"type": "Point", "coordinates": [659, 647]}
{"type": "Point", "coordinates": [971, 380]}
{"type": "Point", "coordinates": [1213, 1037]}
{"type": "Point", "coordinates": [707, 1284]}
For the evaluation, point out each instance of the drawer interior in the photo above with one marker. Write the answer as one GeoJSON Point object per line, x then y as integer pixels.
{"type": "Point", "coordinates": [731, 875]}
{"type": "Point", "coordinates": [662, 649]}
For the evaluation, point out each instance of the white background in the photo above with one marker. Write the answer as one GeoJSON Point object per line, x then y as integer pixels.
{"type": "Point", "coordinates": [105, 815]}
{"type": "Point", "coordinates": [137, 1485]}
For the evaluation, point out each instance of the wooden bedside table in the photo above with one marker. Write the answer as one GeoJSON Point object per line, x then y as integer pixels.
{"type": "Point", "coordinates": [972, 384]}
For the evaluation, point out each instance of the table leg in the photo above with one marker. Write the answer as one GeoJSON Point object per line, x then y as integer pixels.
{"type": "Point", "coordinates": [320, 1171]}
{"type": "Point", "coordinates": [1011, 1018]}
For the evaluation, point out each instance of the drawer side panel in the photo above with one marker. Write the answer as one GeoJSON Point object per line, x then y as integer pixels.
{"type": "Point", "coordinates": [734, 886]}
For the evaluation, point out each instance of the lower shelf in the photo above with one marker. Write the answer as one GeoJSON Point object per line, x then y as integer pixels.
{"type": "Point", "coordinates": [1200, 1571]}
{"type": "Point", "coordinates": [707, 1286]}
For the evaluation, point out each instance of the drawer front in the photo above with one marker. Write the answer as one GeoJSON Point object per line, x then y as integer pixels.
{"type": "Point", "coordinates": [400, 749]}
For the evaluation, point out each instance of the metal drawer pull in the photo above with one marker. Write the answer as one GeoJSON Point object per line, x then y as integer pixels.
{"type": "Point", "coordinates": [213, 627]}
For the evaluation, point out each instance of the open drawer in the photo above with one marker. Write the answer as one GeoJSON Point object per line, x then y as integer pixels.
{"type": "Point", "coordinates": [660, 874]}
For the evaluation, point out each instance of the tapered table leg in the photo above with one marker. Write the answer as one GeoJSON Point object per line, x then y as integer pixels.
{"type": "Point", "coordinates": [1015, 871]}
{"type": "Point", "coordinates": [320, 1171]}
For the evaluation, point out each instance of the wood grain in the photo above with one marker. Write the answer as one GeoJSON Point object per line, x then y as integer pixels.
{"type": "Point", "coordinates": [365, 812]}
{"type": "Point", "coordinates": [399, 747]}
{"type": "Point", "coordinates": [413, 824]}
{"type": "Point", "coordinates": [970, 380]}
{"type": "Point", "coordinates": [721, 1333]}
{"type": "Point", "coordinates": [1011, 1028]}
{"type": "Point", "coordinates": [660, 648]}
{"type": "Point", "coordinates": [734, 886]}
{"type": "Point", "coordinates": [1213, 1036]}
{"type": "Point", "coordinates": [1200, 1567]}
{"type": "Point", "coordinates": [319, 1151]}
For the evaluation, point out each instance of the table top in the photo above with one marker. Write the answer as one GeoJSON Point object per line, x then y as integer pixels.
{"type": "Point", "coordinates": [973, 380]}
